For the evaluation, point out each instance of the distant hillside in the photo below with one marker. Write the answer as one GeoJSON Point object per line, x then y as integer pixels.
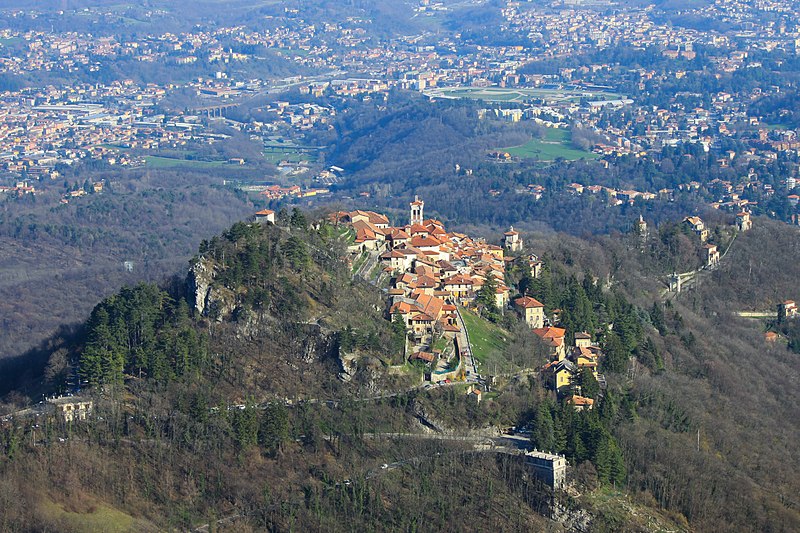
{"type": "Point", "coordinates": [60, 260]}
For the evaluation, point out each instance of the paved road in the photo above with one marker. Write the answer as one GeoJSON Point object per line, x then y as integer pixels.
{"type": "Point", "coordinates": [470, 365]}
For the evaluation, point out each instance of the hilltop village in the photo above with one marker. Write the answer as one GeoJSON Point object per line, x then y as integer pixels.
{"type": "Point", "coordinates": [435, 276]}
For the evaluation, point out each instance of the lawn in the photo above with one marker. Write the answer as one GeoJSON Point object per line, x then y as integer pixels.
{"type": "Point", "coordinates": [557, 143]}
{"type": "Point", "coordinates": [170, 162]}
{"type": "Point", "coordinates": [488, 340]}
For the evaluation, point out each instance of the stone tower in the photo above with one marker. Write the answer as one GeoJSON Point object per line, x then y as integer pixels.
{"type": "Point", "coordinates": [416, 211]}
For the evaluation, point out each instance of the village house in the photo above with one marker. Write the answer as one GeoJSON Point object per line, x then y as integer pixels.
{"type": "Point", "coordinates": [532, 311]}
{"type": "Point", "coordinates": [265, 216]}
{"type": "Point", "coordinates": [697, 225]}
{"type": "Point", "coordinates": [70, 408]}
{"type": "Point", "coordinates": [580, 403]}
{"type": "Point", "coordinates": [787, 309]}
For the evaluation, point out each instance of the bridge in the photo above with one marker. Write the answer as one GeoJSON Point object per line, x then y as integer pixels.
{"type": "Point", "coordinates": [214, 110]}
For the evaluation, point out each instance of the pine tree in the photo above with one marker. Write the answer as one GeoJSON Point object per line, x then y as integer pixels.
{"type": "Point", "coordinates": [487, 296]}
{"type": "Point", "coordinates": [274, 430]}
{"type": "Point", "coordinates": [245, 427]}
{"type": "Point", "coordinates": [543, 435]}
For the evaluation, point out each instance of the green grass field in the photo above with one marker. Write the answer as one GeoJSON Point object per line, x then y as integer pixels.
{"type": "Point", "coordinates": [99, 517]}
{"type": "Point", "coordinates": [293, 155]}
{"type": "Point", "coordinates": [555, 144]}
{"type": "Point", "coordinates": [488, 340]}
{"type": "Point", "coordinates": [169, 162]}
{"type": "Point", "coordinates": [277, 149]}
{"type": "Point", "coordinates": [500, 94]}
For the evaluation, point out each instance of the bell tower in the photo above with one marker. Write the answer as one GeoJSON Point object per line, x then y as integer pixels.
{"type": "Point", "coordinates": [416, 211]}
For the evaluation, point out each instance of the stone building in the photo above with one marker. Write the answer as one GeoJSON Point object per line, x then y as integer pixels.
{"type": "Point", "coordinates": [549, 468]}
{"type": "Point", "coordinates": [512, 241]}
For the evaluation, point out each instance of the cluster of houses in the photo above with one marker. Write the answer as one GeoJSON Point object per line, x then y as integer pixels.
{"type": "Point", "coordinates": [699, 228]}
{"type": "Point", "coordinates": [563, 372]}
{"type": "Point", "coordinates": [432, 270]}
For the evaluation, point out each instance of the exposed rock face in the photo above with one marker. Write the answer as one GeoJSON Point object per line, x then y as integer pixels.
{"type": "Point", "coordinates": [220, 303]}
{"type": "Point", "coordinates": [198, 284]}
{"type": "Point", "coordinates": [317, 345]}
{"type": "Point", "coordinates": [573, 519]}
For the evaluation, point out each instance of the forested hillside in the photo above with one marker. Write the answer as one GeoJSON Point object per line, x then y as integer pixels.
{"type": "Point", "coordinates": [228, 393]}
{"type": "Point", "coordinates": [711, 432]}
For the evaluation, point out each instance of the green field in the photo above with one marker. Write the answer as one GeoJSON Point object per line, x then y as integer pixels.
{"type": "Point", "coordinates": [170, 162]}
{"type": "Point", "coordinates": [488, 340]}
{"type": "Point", "coordinates": [293, 155]}
{"type": "Point", "coordinates": [10, 41]}
{"type": "Point", "coordinates": [95, 517]}
{"type": "Point", "coordinates": [556, 144]}
{"type": "Point", "coordinates": [500, 94]}
{"type": "Point", "coordinates": [277, 149]}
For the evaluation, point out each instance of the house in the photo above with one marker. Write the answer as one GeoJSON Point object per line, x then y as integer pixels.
{"type": "Point", "coordinates": [712, 255]}
{"type": "Point", "coordinates": [422, 324]}
{"type": "Point", "coordinates": [396, 260]}
{"type": "Point", "coordinates": [580, 403]}
{"type": "Point", "coordinates": [512, 241]}
{"type": "Point", "coordinates": [743, 222]}
{"type": "Point", "coordinates": [787, 309]}
{"type": "Point", "coordinates": [532, 310]}
{"type": "Point", "coordinates": [265, 216]}
{"type": "Point", "coordinates": [561, 374]}
{"type": "Point", "coordinates": [583, 340]}
{"type": "Point", "coordinates": [397, 238]}
{"type": "Point", "coordinates": [553, 337]}
{"type": "Point", "coordinates": [697, 225]}
{"type": "Point", "coordinates": [459, 286]}
{"type": "Point", "coordinates": [70, 408]}
{"type": "Point", "coordinates": [426, 357]}
{"type": "Point", "coordinates": [532, 261]}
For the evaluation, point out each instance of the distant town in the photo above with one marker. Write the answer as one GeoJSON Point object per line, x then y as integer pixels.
{"type": "Point", "coordinates": [123, 123]}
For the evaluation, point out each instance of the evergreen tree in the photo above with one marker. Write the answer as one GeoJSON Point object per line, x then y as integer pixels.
{"type": "Point", "coordinates": [398, 334]}
{"type": "Point", "coordinates": [487, 297]}
{"type": "Point", "coordinates": [590, 388]}
{"type": "Point", "coordinates": [543, 435]}
{"type": "Point", "coordinates": [526, 281]}
{"type": "Point", "coordinates": [245, 427]}
{"type": "Point", "coordinates": [274, 431]}
{"type": "Point", "coordinates": [657, 318]}
{"type": "Point", "coordinates": [298, 219]}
